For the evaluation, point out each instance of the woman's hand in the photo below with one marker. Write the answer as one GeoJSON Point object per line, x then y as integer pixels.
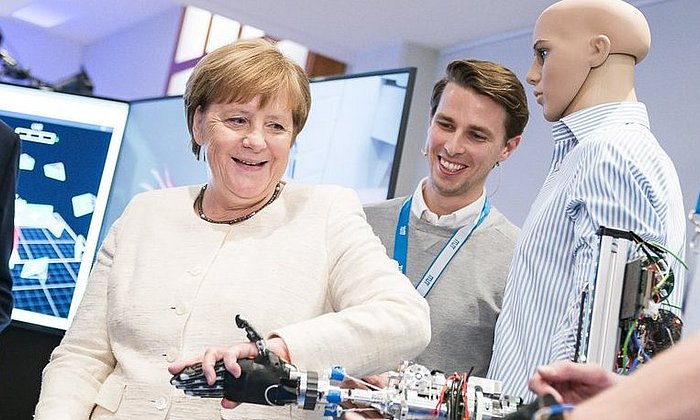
{"type": "Point", "coordinates": [230, 356]}
{"type": "Point", "coordinates": [571, 383]}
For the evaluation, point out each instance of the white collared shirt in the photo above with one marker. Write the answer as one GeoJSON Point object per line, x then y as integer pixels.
{"type": "Point", "coordinates": [455, 220]}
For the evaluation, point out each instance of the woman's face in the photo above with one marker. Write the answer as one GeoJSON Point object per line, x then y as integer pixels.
{"type": "Point", "coordinates": [247, 146]}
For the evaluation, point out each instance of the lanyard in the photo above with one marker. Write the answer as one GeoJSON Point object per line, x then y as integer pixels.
{"type": "Point", "coordinates": [445, 255]}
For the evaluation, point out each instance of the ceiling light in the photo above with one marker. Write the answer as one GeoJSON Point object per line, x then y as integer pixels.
{"type": "Point", "coordinates": [43, 15]}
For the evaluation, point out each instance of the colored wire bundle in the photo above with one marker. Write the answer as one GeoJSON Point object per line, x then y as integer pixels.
{"type": "Point", "coordinates": [454, 397]}
{"type": "Point", "coordinates": [652, 328]}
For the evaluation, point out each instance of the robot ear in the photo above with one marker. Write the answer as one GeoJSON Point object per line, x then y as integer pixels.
{"type": "Point", "coordinates": [600, 49]}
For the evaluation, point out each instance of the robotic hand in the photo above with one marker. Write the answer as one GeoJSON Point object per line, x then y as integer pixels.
{"type": "Point", "coordinates": [265, 380]}
{"type": "Point", "coordinates": [413, 392]}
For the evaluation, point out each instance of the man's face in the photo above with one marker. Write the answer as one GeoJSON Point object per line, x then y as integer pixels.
{"type": "Point", "coordinates": [559, 68]}
{"type": "Point", "coordinates": [465, 140]}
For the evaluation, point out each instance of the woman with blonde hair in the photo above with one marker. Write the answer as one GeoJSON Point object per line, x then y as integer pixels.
{"type": "Point", "coordinates": [299, 262]}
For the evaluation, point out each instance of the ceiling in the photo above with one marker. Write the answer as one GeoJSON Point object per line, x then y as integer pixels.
{"type": "Point", "coordinates": [342, 28]}
{"type": "Point", "coordinates": [336, 28]}
{"type": "Point", "coordinates": [339, 29]}
{"type": "Point", "coordinates": [83, 21]}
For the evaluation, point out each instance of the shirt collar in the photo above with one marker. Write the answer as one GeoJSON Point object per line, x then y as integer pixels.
{"type": "Point", "coordinates": [454, 220]}
{"type": "Point", "coordinates": [583, 122]}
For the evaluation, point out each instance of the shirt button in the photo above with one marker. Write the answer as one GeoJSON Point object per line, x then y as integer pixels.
{"type": "Point", "coordinates": [196, 270]}
{"type": "Point", "coordinates": [181, 308]}
{"type": "Point", "coordinates": [161, 403]}
{"type": "Point", "coordinates": [171, 355]}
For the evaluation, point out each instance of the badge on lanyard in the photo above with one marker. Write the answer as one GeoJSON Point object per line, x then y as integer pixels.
{"type": "Point", "coordinates": [445, 255]}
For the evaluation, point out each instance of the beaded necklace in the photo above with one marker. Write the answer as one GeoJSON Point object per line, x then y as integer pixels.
{"type": "Point", "coordinates": [200, 199]}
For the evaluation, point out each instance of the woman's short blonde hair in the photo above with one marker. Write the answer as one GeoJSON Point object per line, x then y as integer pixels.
{"type": "Point", "coordinates": [241, 71]}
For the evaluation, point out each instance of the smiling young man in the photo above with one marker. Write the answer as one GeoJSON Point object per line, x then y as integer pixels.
{"type": "Point", "coordinates": [448, 239]}
{"type": "Point", "coordinates": [607, 170]}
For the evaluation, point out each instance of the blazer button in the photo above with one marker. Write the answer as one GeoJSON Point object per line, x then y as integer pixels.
{"type": "Point", "coordinates": [161, 403]}
{"type": "Point", "coordinates": [171, 355]}
{"type": "Point", "coordinates": [181, 308]}
{"type": "Point", "coordinates": [196, 270]}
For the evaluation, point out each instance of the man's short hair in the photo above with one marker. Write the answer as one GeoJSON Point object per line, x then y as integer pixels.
{"type": "Point", "coordinates": [490, 79]}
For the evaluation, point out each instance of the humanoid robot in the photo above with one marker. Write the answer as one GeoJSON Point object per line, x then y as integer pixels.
{"type": "Point", "coordinates": [607, 170]}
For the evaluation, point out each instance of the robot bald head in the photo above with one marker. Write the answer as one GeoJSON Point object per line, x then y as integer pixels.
{"type": "Point", "coordinates": [623, 24]}
{"type": "Point", "coordinates": [585, 53]}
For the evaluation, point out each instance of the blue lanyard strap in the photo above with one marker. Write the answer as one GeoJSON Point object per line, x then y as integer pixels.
{"type": "Point", "coordinates": [401, 235]}
{"type": "Point", "coordinates": [445, 255]}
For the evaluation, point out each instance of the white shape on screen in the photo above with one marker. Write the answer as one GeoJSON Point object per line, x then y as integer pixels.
{"type": "Point", "coordinates": [55, 171]}
{"type": "Point", "coordinates": [56, 225]}
{"type": "Point", "coordinates": [37, 269]}
{"type": "Point", "coordinates": [32, 215]}
{"type": "Point", "coordinates": [83, 204]}
{"type": "Point", "coordinates": [79, 247]}
{"type": "Point", "coordinates": [36, 135]}
{"type": "Point", "coordinates": [39, 216]}
{"type": "Point", "coordinates": [26, 162]}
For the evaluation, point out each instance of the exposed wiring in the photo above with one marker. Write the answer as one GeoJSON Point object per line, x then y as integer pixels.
{"type": "Point", "coordinates": [642, 352]}
{"type": "Point", "coordinates": [671, 253]}
{"type": "Point", "coordinates": [465, 398]}
{"type": "Point", "coordinates": [625, 346]}
{"type": "Point", "coordinates": [670, 336]}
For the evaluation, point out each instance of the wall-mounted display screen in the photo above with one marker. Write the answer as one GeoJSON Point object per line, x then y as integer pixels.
{"type": "Point", "coordinates": [355, 132]}
{"type": "Point", "coordinates": [70, 145]}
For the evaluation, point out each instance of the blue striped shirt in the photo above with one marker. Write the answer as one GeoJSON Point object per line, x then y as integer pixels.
{"type": "Point", "coordinates": [607, 170]}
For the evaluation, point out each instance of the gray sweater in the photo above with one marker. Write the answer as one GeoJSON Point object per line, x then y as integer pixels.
{"type": "Point", "coordinates": [467, 298]}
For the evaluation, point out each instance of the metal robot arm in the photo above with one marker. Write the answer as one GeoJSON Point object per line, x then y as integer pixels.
{"type": "Point", "coordinates": [412, 392]}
